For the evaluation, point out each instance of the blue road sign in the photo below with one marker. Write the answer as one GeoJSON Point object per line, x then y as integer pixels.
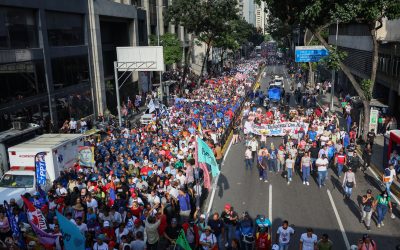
{"type": "Point", "coordinates": [310, 53]}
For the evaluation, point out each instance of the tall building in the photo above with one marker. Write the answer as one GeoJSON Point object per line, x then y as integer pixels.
{"type": "Point", "coordinates": [247, 9]}
{"type": "Point", "coordinates": [355, 39]}
{"type": "Point", "coordinates": [261, 17]}
{"type": "Point", "coordinates": [56, 57]}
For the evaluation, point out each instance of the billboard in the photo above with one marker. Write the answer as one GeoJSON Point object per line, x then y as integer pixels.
{"type": "Point", "coordinates": [140, 58]}
{"type": "Point", "coordinates": [310, 53]}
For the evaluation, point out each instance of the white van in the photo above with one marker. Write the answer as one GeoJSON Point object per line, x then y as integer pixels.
{"type": "Point", "coordinates": [61, 153]}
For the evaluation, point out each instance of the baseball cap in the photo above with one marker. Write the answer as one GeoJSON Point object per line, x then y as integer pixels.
{"type": "Point", "coordinates": [369, 191]}
{"type": "Point", "coordinates": [228, 206]}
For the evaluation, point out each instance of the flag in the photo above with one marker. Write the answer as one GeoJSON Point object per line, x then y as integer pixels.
{"type": "Point", "coordinates": [34, 215]}
{"type": "Point", "coordinates": [199, 128]}
{"type": "Point", "coordinates": [72, 237]}
{"type": "Point", "coordinates": [16, 232]}
{"type": "Point", "coordinates": [40, 168]}
{"type": "Point", "coordinates": [45, 238]}
{"type": "Point", "coordinates": [182, 242]}
{"type": "Point", "coordinates": [151, 106]}
{"type": "Point", "coordinates": [206, 155]}
{"type": "Point", "coordinates": [203, 166]}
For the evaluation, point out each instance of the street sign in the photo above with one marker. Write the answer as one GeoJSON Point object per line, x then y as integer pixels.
{"type": "Point", "coordinates": [373, 120]}
{"type": "Point", "coordinates": [310, 53]}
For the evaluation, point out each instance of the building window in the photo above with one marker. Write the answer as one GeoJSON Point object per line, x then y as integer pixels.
{"type": "Point", "coordinates": [65, 29]}
{"type": "Point", "coordinates": [69, 71]}
{"type": "Point", "coordinates": [18, 29]}
{"type": "Point", "coordinates": [21, 80]}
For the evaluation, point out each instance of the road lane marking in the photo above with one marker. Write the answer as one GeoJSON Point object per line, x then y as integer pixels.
{"type": "Point", "coordinates": [270, 202]}
{"type": "Point", "coordinates": [214, 188]}
{"type": "Point", "coordinates": [346, 240]}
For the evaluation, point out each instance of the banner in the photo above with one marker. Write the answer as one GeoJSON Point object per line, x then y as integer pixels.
{"type": "Point", "coordinates": [35, 216]}
{"type": "Point", "coordinates": [86, 156]}
{"type": "Point", "coordinates": [278, 129]}
{"type": "Point", "coordinates": [206, 155]}
{"type": "Point", "coordinates": [16, 232]}
{"type": "Point", "coordinates": [40, 168]}
{"type": "Point", "coordinates": [72, 237]}
{"type": "Point", "coordinates": [45, 238]}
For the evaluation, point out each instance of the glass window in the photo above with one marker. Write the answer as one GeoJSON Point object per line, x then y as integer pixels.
{"type": "Point", "coordinates": [69, 71]}
{"type": "Point", "coordinates": [21, 80]}
{"type": "Point", "coordinates": [75, 105]}
{"type": "Point", "coordinates": [18, 28]}
{"type": "Point", "coordinates": [64, 29]}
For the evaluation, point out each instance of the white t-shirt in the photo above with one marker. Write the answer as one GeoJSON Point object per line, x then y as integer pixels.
{"type": "Point", "coordinates": [93, 203]}
{"type": "Point", "coordinates": [208, 239]}
{"type": "Point", "coordinates": [104, 246]}
{"type": "Point", "coordinates": [82, 228]}
{"type": "Point", "coordinates": [308, 242]}
{"type": "Point", "coordinates": [72, 124]}
{"type": "Point", "coordinates": [322, 164]}
{"type": "Point", "coordinates": [284, 234]}
{"type": "Point", "coordinates": [289, 163]}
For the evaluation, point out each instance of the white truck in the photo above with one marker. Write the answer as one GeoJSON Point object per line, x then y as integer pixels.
{"type": "Point", "coordinates": [61, 153]}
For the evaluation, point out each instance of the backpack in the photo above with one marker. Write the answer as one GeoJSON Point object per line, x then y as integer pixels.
{"type": "Point", "coordinates": [190, 235]}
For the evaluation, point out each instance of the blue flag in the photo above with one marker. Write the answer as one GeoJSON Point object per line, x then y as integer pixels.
{"type": "Point", "coordinates": [206, 155]}
{"type": "Point", "coordinates": [72, 237]}
{"type": "Point", "coordinates": [16, 232]}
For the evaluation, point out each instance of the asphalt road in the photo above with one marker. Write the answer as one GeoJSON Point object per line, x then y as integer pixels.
{"type": "Point", "coordinates": [324, 209]}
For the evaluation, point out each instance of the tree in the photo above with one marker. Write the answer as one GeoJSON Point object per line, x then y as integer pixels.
{"type": "Point", "coordinates": [171, 45]}
{"type": "Point", "coordinates": [317, 15]}
{"type": "Point", "coordinates": [208, 20]}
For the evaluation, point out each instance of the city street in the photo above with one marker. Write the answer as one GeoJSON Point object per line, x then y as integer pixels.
{"type": "Point", "coordinates": [303, 206]}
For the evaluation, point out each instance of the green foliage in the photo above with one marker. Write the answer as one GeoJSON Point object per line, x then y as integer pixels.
{"type": "Point", "coordinates": [333, 60]}
{"type": "Point", "coordinates": [172, 47]}
{"type": "Point", "coordinates": [366, 87]}
{"type": "Point", "coordinates": [205, 19]}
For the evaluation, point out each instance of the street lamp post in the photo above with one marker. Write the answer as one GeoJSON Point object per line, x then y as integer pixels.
{"type": "Point", "coordinates": [158, 44]}
{"type": "Point", "coordinates": [333, 71]}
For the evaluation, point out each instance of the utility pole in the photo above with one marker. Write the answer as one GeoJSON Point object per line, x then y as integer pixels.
{"type": "Point", "coordinates": [158, 43]}
{"type": "Point", "coordinates": [333, 71]}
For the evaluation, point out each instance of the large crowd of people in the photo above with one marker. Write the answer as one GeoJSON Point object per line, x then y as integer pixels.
{"type": "Point", "coordinates": [146, 185]}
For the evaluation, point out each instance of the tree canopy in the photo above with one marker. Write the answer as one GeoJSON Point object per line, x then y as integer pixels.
{"type": "Point", "coordinates": [172, 47]}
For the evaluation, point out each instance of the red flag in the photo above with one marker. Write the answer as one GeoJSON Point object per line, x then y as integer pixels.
{"type": "Point", "coordinates": [34, 215]}
{"type": "Point", "coordinates": [206, 174]}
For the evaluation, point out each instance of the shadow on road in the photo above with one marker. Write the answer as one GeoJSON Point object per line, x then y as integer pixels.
{"type": "Point", "coordinates": [222, 185]}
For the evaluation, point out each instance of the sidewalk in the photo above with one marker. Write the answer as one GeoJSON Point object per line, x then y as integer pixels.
{"type": "Point", "coordinates": [377, 156]}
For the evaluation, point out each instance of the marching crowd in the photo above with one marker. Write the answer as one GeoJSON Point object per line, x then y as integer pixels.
{"type": "Point", "coordinates": [146, 185]}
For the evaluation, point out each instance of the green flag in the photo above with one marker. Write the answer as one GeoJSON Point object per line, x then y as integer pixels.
{"type": "Point", "coordinates": [182, 242]}
{"type": "Point", "coordinates": [206, 155]}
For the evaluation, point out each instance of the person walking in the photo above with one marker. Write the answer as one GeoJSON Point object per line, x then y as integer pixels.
{"type": "Point", "coordinates": [366, 243]}
{"type": "Point", "coordinates": [289, 168]}
{"type": "Point", "coordinates": [322, 166]}
{"type": "Point", "coordinates": [367, 204]}
{"type": "Point", "coordinates": [248, 158]}
{"type": "Point", "coordinates": [305, 167]}
{"type": "Point", "coordinates": [325, 243]}
{"type": "Point", "coordinates": [349, 182]}
{"type": "Point", "coordinates": [283, 235]}
{"type": "Point", "coordinates": [254, 147]}
{"type": "Point", "coordinates": [230, 218]}
{"type": "Point", "coordinates": [367, 154]}
{"type": "Point", "coordinates": [235, 137]}
{"type": "Point", "coordinates": [389, 175]}
{"type": "Point", "coordinates": [340, 161]}
{"type": "Point", "coordinates": [262, 167]}
{"type": "Point", "coordinates": [308, 240]}
{"type": "Point", "coordinates": [381, 205]}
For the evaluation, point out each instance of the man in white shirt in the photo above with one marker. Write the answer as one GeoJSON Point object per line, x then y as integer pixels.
{"type": "Point", "coordinates": [91, 202]}
{"type": "Point", "coordinates": [322, 165]}
{"type": "Point", "coordinates": [82, 226]}
{"type": "Point", "coordinates": [254, 147]}
{"type": "Point", "coordinates": [308, 241]}
{"type": "Point", "coordinates": [72, 126]}
{"type": "Point", "coordinates": [248, 158]}
{"type": "Point", "coordinates": [283, 235]}
{"type": "Point", "coordinates": [61, 191]}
